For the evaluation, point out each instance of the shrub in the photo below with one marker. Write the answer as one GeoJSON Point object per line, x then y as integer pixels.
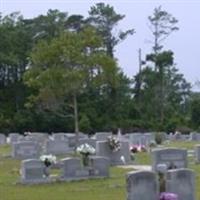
{"type": "Point", "coordinates": [159, 137]}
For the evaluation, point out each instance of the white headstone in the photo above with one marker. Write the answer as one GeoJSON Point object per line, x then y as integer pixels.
{"type": "Point", "coordinates": [142, 185]}
{"type": "Point", "coordinates": [56, 147]}
{"type": "Point", "coordinates": [172, 157]}
{"type": "Point", "coordinates": [182, 183]}
{"type": "Point", "coordinates": [33, 171]}
{"type": "Point", "coordinates": [26, 150]}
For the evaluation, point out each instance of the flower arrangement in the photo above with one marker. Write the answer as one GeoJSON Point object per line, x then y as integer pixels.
{"type": "Point", "coordinates": [27, 133]}
{"type": "Point", "coordinates": [85, 150]}
{"type": "Point", "coordinates": [162, 169]}
{"type": "Point", "coordinates": [114, 143]}
{"type": "Point", "coordinates": [137, 148]}
{"type": "Point", "coordinates": [168, 196]}
{"type": "Point", "coordinates": [48, 159]}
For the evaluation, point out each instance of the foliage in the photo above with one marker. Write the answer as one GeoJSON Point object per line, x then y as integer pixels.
{"type": "Point", "coordinates": [85, 124]}
{"type": "Point", "coordinates": [105, 19]}
{"type": "Point", "coordinates": [161, 24]}
{"type": "Point", "coordinates": [159, 137]}
{"type": "Point", "coordinates": [162, 93]}
{"type": "Point", "coordinates": [195, 112]}
{"type": "Point", "coordinates": [61, 68]}
{"type": "Point", "coordinates": [58, 69]}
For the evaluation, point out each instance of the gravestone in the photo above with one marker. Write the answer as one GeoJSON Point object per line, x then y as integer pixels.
{"type": "Point", "coordinates": [172, 157]}
{"type": "Point", "coordinates": [102, 136]}
{"type": "Point", "coordinates": [32, 171]}
{"type": "Point", "coordinates": [70, 168]}
{"type": "Point", "coordinates": [40, 138]}
{"type": "Point", "coordinates": [90, 141]}
{"type": "Point", "coordinates": [184, 137]}
{"type": "Point", "coordinates": [56, 147]}
{"type": "Point", "coordinates": [140, 139]}
{"type": "Point", "coordinates": [100, 166]}
{"type": "Point", "coordinates": [25, 150]}
{"type": "Point", "coordinates": [71, 139]}
{"type": "Point", "coordinates": [103, 149]}
{"type": "Point", "coordinates": [60, 136]}
{"type": "Point", "coordinates": [2, 139]}
{"type": "Point", "coordinates": [27, 138]}
{"type": "Point", "coordinates": [14, 137]}
{"type": "Point", "coordinates": [197, 153]}
{"type": "Point", "coordinates": [181, 182]}
{"type": "Point", "coordinates": [177, 136]}
{"type": "Point", "coordinates": [195, 136]}
{"type": "Point", "coordinates": [142, 185]}
{"type": "Point", "coordinates": [150, 137]}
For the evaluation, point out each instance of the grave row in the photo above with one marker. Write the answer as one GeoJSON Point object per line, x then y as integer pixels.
{"type": "Point", "coordinates": [33, 171]}
{"type": "Point", "coordinates": [144, 185]}
{"type": "Point", "coordinates": [134, 138]}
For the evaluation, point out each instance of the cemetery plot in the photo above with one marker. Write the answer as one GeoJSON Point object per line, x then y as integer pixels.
{"type": "Point", "coordinates": [142, 186]}
{"type": "Point", "coordinates": [26, 150]}
{"type": "Point", "coordinates": [172, 157]}
{"type": "Point", "coordinates": [2, 139]}
{"type": "Point", "coordinates": [115, 157]}
{"type": "Point", "coordinates": [32, 172]}
{"type": "Point", "coordinates": [181, 182]}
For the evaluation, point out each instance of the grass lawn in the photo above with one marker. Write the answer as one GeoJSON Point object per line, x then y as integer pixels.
{"type": "Point", "coordinates": [113, 188]}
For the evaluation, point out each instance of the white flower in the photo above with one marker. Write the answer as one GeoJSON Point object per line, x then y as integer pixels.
{"type": "Point", "coordinates": [122, 158]}
{"type": "Point", "coordinates": [162, 168]}
{"type": "Point", "coordinates": [50, 158]}
{"type": "Point", "coordinates": [85, 149]}
{"type": "Point", "coordinates": [114, 143]}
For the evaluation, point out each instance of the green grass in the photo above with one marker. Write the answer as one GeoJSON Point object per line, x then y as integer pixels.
{"type": "Point", "coordinates": [186, 144]}
{"type": "Point", "coordinates": [113, 188]}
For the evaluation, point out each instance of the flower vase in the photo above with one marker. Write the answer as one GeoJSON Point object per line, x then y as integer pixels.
{"type": "Point", "coordinates": [46, 171]}
{"type": "Point", "coordinates": [85, 159]}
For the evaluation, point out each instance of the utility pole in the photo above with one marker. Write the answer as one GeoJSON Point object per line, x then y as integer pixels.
{"type": "Point", "coordinates": [140, 60]}
{"type": "Point", "coordinates": [139, 73]}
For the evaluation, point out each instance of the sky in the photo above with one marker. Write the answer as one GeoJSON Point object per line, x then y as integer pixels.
{"type": "Point", "coordinates": [185, 43]}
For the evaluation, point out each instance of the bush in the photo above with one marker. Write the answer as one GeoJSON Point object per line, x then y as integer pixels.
{"type": "Point", "coordinates": [184, 130]}
{"type": "Point", "coordinates": [159, 137]}
{"type": "Point", "coordinates": [152, 144]}
{"type": "Point", "coordinates": [84, 124]}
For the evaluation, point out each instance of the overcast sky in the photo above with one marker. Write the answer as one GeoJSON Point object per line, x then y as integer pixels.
{"type": "Point", "coordinates": [185, 43]}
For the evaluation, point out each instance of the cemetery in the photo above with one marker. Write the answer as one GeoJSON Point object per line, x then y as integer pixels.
{"type": "Point", "coordinates": [95, 104]}
{"type": "Point", "coordinates": [98, 172]}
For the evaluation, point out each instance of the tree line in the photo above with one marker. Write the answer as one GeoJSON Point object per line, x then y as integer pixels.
{"type": "Point", "coordinates": [58, 72]}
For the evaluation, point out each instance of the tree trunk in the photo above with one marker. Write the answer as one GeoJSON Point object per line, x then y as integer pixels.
{"type": "Point", "coordinates": [161, 96]}
{"type": "Point", "coordinates": [76, 125]}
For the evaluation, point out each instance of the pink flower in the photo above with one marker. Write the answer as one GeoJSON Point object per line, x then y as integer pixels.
{"type": "Point", "coordinates": [137, 148]}
{"type": "Point", "coordinates": [168, 196]}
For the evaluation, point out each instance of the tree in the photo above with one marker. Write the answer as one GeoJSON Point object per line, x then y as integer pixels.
{"type": "Point", "coordinates": [176, 92]}
{"type": "Point", "coordinates": [47, 26]}
{"type": "Point", "coordinates": [161, 24]}
{"type": "Point", "coordinates": [14, 49]}
{"type": "Point", "coordinates": [75, 23]}
{"type": "Point", "coordinates": [61, 68]}
{"type": "Point", "coordinates": [105, 19]}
